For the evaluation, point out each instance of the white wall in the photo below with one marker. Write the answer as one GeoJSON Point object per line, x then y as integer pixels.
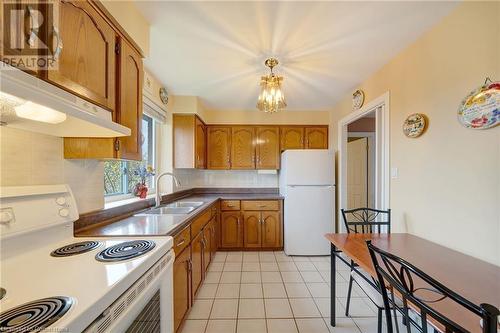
{"type": "Point", "coordinates": [448, 189]}
{"type": "Point", "coordinates": [28, 158]}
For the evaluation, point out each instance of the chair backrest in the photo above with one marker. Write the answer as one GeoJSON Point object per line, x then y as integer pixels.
{"type": "Point", "coordinates": [367, 220]}
{"type": "Point", "coordinates": [424, 295]}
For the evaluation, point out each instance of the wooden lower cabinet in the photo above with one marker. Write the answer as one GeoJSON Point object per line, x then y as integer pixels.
{"type": "Point", "coordinates": [252, 230]}
{"type": "Point", "coordinates": [261, 229]}
{"type": "Point", "coordinates": [258, 225]}
{"type": "Point", "coordinates": [197, 260]}
{"type": "Point", "coordinates": [230, 229]}
{"type": "Point", "coordinates": [182, 290]}
{"type": "Point", "coordinates": [271, 229]}
{"type": "Point", "coordinates": [207, 239]}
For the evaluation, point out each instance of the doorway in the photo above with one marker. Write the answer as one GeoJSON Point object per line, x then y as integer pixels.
{"type": "Point", "coordinates": [363, 158]}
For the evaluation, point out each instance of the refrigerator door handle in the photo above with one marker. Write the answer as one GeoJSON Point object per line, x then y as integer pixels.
{"type": "Point", "coordinates": [321, 186]}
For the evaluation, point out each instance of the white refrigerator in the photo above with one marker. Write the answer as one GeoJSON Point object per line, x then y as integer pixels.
{"type": "Point", "coordinates": [307, 181]}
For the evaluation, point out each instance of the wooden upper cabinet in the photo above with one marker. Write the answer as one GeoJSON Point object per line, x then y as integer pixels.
{"type": "Point", "coordinates": [231, 235]}
{"type": "Point", "coordinates": [268, 147]}
{"type": "Point", "coordinates": [181, 286]}
{"type": "Point", "coordinates": [219, 147]}
{"type": "Point", "coordinates": [252, 230]}
{"type": "Point", "coordinates": [271, 229]}
{"type": "Point", "coordinates": [316, 137]}
{"type": "Point", "coordinates": [242, 147]}
{"type": "Point", "coordinates": [292, 137]}
{"type": "Point", "coordinates": [130, 110]}
{"type": "Point", "coordinates": [200, 139]}
{"type": "Point", "coordinates": [84, 48]}
{"type": "Point", "coordinates": [189, 141]}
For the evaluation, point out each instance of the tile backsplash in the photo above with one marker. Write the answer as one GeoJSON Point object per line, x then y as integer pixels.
{"type": "Point", "coordinates": [225, 178]}
{"type": "Point", "coordinates": [28, 158]}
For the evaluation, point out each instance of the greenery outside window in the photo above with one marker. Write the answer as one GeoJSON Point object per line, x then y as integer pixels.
{"type": "Point", "coordinates": [119, 178]}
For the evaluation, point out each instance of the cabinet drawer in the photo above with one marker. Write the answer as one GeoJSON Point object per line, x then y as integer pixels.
{"type": "Point", "coordinates": [230, 205]}
{"type": "Point", "coordinates": [182, 240]}
{"type": "Point", "coordinates": [260, 205]}
{"type": "Point", "coordinates": [200, 221]}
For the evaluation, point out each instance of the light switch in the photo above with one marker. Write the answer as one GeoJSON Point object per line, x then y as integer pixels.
{"type": "Point", "coordinates": [394, 173]}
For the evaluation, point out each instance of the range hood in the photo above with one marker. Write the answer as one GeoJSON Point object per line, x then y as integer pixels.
{"type": "Point", "coordinates": [32, 104]}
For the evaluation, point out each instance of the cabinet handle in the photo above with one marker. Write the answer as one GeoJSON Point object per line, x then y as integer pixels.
{"type": "Point", "coordinates": [263, 206]}
{"type": "Point", "coordinates": [181, 242]}
{"type": "Point", "coordinates": [59, 44]}
{"type": "Point", "coordinates": [230, 205]}
{"type": "Point", "coordinates": [34, 24]}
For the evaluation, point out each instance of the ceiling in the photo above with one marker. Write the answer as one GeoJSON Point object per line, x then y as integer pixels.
{"type": "Point", "coordinates": [216, 50]}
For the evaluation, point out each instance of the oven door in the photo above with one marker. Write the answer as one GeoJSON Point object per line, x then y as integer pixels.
{"type": "Point", "coordinates": [147, 306]}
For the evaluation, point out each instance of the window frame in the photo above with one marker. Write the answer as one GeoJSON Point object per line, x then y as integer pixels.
{"type": "Point", "coordinates": [153, 134]}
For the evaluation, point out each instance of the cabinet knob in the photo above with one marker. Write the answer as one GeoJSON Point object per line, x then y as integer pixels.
{"type": "Point", "coordinates": [6, 216]}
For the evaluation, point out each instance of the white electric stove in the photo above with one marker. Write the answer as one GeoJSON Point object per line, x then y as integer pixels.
{"type": "Point", "coordinates": [54, 282]}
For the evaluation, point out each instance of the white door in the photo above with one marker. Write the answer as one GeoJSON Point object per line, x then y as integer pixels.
{"type": "Point", "coordinates": [357, 173]}
{"type": "Point", "coordinates": [309, 215]}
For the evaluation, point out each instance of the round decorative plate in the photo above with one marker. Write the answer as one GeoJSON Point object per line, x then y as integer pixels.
{"type": "Point", "coordinates": [163, 95]}
{"type": "Point", "coordinates": [414, 125]}
{"type": "Point", "coordinates": [358, 98]}
{"type": "Point", "coordinates": [481, 108]}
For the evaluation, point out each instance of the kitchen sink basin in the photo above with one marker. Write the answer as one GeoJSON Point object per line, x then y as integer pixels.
{"type": "Point", "coordinates": [194, 204]}
{"type": "Point", "coordinates": [168, 210]}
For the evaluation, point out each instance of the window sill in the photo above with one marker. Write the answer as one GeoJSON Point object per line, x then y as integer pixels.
{"type": "Point", "coordinates": [122, 202]}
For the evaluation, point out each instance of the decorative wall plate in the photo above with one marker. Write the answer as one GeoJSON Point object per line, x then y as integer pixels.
{"type": "Point", "coordinates": [414, 125]}
{"type": "Point", "coordinates": [163, 95]}
{"type": "Point", "coordinates": [358, 98]}
{"type": "Point", "coordinates": [481, 108]}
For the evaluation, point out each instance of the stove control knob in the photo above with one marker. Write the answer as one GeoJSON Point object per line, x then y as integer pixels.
{"type": "Point", "coordinates": [6, 216]}
{"type": "Point", "coordinates": [64, 212]}
{"type": "Point", "coordinates": [61, 201]}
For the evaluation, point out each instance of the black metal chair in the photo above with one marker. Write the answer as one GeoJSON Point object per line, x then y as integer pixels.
{"type": "Point", "coordinates": [421, 293]}
{"type": "Point", "coordinates": [366, 220]}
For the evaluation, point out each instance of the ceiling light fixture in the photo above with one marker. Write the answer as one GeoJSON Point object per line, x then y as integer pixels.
{"type": "Point", "coordinates": [271, 98]}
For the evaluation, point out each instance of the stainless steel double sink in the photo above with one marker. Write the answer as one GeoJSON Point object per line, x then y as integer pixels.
{"type": "Point", "coordinates": [175, 208]}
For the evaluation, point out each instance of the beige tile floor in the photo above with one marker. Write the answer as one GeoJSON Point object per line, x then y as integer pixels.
{"type": "Point", "coordinates": [269, 292]}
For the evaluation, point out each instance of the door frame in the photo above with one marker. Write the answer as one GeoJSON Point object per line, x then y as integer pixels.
{"type": "Point", "coordinates": [382, 180]}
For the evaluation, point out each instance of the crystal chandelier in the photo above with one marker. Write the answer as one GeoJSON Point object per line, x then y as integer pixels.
{"type": "Point", "coordinates": [271, 98]}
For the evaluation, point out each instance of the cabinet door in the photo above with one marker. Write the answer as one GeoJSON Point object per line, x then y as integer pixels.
{"type": "Point", "coordinates": [86, 62]}
{"type": "Point", "coordinates": [219, 147]}
{"type": "Point", "coordinates": [230, 230]}
{"type": "Point", "coordinates": [242, 147]}
{"type": "Point", "coordinates": [292, 137]}
{"type": "Point", "coordinates": [268, 148]}
{"type": "Point", "coordinates": [197, 262]}
{"type": "Point", "coordinates": [252, 230]}
{"type": "Point", "coordinates": [213, 237]}
{"type": "Point", "coordinates": [316, 138]}
{"type": "Point", "coordinates": [181, 286]}
{"type": "Point", "coordinates": [271, 229]}
{"type": "Point", "coordinates": [130, 106]}
{"type": "Point", "coordinates": [200, 144]}
{"type": "Point", "coordinates": [207, 239]}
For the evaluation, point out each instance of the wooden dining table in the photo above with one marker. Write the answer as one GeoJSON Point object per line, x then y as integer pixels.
{"type": "Point", "coordinates": [473, 279]}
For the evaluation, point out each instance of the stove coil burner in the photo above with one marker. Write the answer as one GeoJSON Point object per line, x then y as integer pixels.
{"type": "Point", "coordinates": [75, 248]}
{"type": "Point", "coordinates": [34, 316]}
{"type": "Point", "coordinates": [125, 250]}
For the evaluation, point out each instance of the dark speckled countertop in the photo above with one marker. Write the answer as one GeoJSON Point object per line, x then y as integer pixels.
{"type": "Point", "coordinates": [167, 225]}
